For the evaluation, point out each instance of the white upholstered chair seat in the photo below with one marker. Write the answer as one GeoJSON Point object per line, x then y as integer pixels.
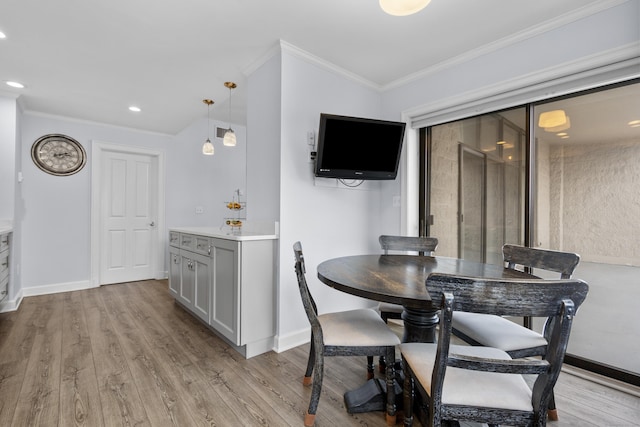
{"type": "Point", "coordinates": [356, 328]}
{"type": "Point", "coordinates": [496, 331]}
{"type": "Point", "coordinates": [390, 308]}
{"type": "Point", "coordinates": [467, 387]}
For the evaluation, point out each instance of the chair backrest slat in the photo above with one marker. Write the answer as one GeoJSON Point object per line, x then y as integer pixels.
{"type": "Point", "coordinates": [545, 259]}
{"type": "Point", "coordinates": [507, 297]}
{"type": "Point", "coordinates": [423, 245]}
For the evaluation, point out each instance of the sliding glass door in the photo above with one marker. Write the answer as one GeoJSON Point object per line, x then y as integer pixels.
{"type": "Point", "coordinates": [477, 186]}
{"type": "Point", "coordinates": [584, 197]}
{"type": "Point", "coordinates": [587, 200]}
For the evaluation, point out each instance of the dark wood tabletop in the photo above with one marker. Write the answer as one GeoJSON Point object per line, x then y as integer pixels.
{"type": "Point", "coordinates": [400, 279]}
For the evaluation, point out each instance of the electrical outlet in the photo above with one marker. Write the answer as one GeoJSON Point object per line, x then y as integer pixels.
{"type": "Point", "coordinates": [199, 210]}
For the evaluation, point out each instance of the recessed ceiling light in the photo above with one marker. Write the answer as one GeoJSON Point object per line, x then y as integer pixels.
{"type": "Point", "coordinates": [564, 137]}
{"type": "Point", "coordinates": [2, 35]}
{"type": "Point", "coordinates": [634, 123]}
{"type": "Point", "coordinates": [15, 84]}
{"type": "Point", "coordinates": [562, 134]}
{"type": "Point", "coordinates": [135, 109]}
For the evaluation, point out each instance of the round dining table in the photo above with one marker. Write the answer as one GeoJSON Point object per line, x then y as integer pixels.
{"type": "Point", "coordinates": [401, 279]}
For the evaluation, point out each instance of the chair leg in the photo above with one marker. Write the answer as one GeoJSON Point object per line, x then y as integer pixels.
{"type": "Point", "coordinates": [391, 389]}
{"type": "Point", "coordinates": [370, 367]}
{"type": "Point", "coordinates": [310, 416]}
{"type": "Point", "coordinates": [408, 395]}
{"type": "Point", "coordinates": [307, 380]}
{"type": "Point", "coordinates": [382, 365]}
{"type": "Point", "coordinates": [552, 412]}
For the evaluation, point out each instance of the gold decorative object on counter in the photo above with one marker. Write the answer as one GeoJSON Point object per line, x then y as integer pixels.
{"type": "Point", "coordinates": [236, 206]}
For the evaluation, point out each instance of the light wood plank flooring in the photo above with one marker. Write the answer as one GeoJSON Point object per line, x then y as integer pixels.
{"type": "Point", "coordinates": [127, 355]}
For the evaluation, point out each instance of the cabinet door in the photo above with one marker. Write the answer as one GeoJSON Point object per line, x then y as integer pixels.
{"type": "Point", "coordinates": [174, 272]}
{"type": "Point", "coordinates": [187, 284]}
{"type": "Point", "coordinates": [202, 286]}
{"type": "Point", "coordinates": [225, 313]}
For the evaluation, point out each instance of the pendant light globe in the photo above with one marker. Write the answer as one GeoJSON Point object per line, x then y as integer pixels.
{"type": "Point", "coordinates": [229, 136]}
{"type": "Point", "coordinates": [207, 147]}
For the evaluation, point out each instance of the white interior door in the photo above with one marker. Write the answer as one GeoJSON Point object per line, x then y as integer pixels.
{"type": "Point", "coordinates": [128, 205]}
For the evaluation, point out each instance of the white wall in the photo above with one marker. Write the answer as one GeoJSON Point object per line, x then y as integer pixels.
{"type": "Point", "coordinates": [195, 180]}
{"type": "Point", "coordinates": [56, 213]}
{"type": "Point", "coordinates": [8, 108]}
{"type": "Point", "coordinates": [329, 219]}
{"type": "Point", "coordinates": [263, 141]}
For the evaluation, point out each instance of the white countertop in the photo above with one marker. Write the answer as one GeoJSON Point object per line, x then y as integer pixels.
{"type": "Point", "coordinates": [5, 226]}
{"type": "Point", "coordinates": [226, 233]}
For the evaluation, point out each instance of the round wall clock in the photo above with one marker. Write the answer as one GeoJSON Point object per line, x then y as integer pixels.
{"type": "Point", "coordinates": [58, 154]}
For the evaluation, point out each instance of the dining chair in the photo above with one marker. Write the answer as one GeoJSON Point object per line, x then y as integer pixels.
{"type": "Point", "coordinates": [482, 383]}
{"type": "Point", "coordinates": [359, 332]}
{"type": "Point", "coordinates": [422, 245]}
{"type": "Point", "coordinates": [496, 331]}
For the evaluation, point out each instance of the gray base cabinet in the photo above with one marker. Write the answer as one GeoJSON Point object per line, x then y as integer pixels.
{"type": "Point", "coordinates": [229, 284]}
{"type": "Point", "coordinates": [4, 265]}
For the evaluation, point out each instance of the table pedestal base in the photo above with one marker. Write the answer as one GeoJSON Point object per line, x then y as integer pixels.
{"type": "Point", "coordinates": [419, 324]}
{"type": "Point", "coordinates": [372, 396]}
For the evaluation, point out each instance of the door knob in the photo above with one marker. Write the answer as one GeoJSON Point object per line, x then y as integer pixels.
{"type": "Point", "coordinates": [152, 223]}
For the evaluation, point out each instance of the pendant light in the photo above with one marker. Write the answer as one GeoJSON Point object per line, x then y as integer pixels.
{"type": "Point", "coordinates": [403, 7]}
{"type": "Point", "coordinates": [229, 136]}
{"type": "Point", "coordinates": [207, 147]}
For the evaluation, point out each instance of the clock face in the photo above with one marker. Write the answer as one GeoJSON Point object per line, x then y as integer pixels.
{"type": "Point", "coordinates": [58, 154]}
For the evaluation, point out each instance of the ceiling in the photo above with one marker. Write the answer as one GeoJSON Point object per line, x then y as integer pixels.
{"type": "Point", "coordinates": [91, 60]}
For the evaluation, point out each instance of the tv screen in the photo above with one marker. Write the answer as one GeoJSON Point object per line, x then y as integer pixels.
{"type": "Point", "coordinates": [358, 148]}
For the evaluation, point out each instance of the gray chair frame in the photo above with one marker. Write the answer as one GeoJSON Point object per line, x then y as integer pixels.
{"type": "Point", "coordinates": [422, 245]}
{"type": "Point", "coordinates": [556, 299]}
{"type": "Point", "coordinates": [318, 350]}
{"type": "Point", "coordinates": [532, 258]}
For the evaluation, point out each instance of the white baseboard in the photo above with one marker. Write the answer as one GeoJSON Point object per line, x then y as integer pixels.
{"type": "Point", "coordinates": [11, 305]}
{"type": "Point", "coordinates": [57, 287]}
{"type": "Point", "coordinates": [292, 340]}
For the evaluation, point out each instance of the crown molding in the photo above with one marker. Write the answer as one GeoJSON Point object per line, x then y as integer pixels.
{"type": "Point", "coordinates": [525, 34]}
{"type": "Point", "coordinates": [93, 123]}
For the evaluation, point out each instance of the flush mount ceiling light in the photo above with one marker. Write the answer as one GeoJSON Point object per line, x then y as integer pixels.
{"type": "Point", "coordinates": [403, 7]}
{"type": "Point", "coordinates": [15, 84]}
{"type": "Point", "coordinates": [229, 136]}
{"type": "Point", "coordinates": [2, 35]}
{"type": "Point", "coordinates": [135, 109]}
{"type": "Point", "coordinates": [566, 125]}
{"type": "Point", "coordinates": [207, 147]}
{"type": "Point", "coordinates": [550, 119]}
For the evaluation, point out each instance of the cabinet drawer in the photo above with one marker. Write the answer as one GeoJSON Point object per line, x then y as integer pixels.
{"type": "Point", "coordinates": [4, 242]}
{"type": "Point", "coordinates": [4, 264]}
{"type": "Point", "coordinates": [174, 238]}
{"type": "Point", "coordinates": [187, 241]}
{"type": "Point", "coordinates": [202, 245]}
{"type": "Point", "coordinates": [4, 288]}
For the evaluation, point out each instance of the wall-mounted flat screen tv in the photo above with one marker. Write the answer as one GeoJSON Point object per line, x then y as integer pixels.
{"type": "Point", "coordinates": [358, 148]}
